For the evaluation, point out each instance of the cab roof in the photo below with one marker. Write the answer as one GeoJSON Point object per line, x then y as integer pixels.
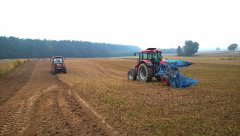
{"type": "Point", "coordinates": [57, 57]}
{"type": "Point", "coordinates": [148, 50]}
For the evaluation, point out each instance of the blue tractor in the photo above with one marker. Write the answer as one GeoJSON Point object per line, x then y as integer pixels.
{"type": "Point", "coordinates": [150, 64]}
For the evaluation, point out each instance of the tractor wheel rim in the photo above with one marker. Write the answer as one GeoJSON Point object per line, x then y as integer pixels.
{"type": "Point", "coordinates": [164, 81]}
{"type": "Point", "coordinates": [130, 76]}
{"type": "Point", "coordinates": [142, 73]}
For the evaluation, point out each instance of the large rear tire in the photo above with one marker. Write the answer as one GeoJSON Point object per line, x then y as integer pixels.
{"type": "Point", "coordinates": [65, 70]}
{"type": "Point", "coordinates": [53, 71]}
{"type": "Point", "coordinates": [145, 73]}
{"type": "Point", "coordinates": [165, 80]}
{"type": "Point", "coordinates": [132, 75]}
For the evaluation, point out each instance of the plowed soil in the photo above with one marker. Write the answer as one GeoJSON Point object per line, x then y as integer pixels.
{"type": "Point", "coordinates": [96, 98]}
{"type": "Point", "coordinates": [135, 108]}
{"type": "Point", "coordinates": [34, 102]}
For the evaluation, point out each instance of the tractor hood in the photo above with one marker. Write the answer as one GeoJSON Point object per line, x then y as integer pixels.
{"type": "Point", "coordinates": [179, 63]}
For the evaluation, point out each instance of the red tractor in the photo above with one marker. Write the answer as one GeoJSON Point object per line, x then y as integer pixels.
{"type": "Point", "coordinates": [58, 65]}
{"type": "Point", "coordinates": [146, 66]}
{"type": "Point", "coordinates": [150, 64]}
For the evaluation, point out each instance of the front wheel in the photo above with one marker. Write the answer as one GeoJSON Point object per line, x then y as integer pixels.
{"type": "Point", "coordinates": [132, 75]}
{"type": "Point", "coordinates": [65, 71]}
{"type": "Point", "coordinates": [53, 71]}
{"type": "Point", "coordinates": [165, 80]}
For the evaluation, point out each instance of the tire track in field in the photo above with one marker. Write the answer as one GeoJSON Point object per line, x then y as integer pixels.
{"type": "Point", "coordinates": [19, 120]}
{"type": "Point", "coordinates": [58, 112]}
{"type": "Point", "coordinates": [106, 72]}
{"type": "Point", "coordinates": [8, 85]}
{"type": "Point", "coordinates": [46, 106]}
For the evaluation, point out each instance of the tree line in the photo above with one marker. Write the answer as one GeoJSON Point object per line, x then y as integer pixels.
{"type": "Point", "coordinates": [12, 47]}
{"type": "Point", "coordinates": [191, 48]}
{"type": "Point", "coordinates": [232, 47]}
{"type": "Point", "coordinates": [188, 49]}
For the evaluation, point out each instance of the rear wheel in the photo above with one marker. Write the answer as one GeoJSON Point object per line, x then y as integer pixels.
{"type": "Point", "coordinates": [165, 80]}
{"type": "Point", "coordinates": [65, 71]}
{"type": "Point", "coordinates": [53, 71]}
{"type": "Point", "coordinates": [145, 73]}
{"type": "Point", "coordinates": [132, 75]}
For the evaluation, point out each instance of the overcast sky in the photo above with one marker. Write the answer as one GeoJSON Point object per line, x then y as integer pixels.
{"type": "Point", "coordinates": [145, 23]}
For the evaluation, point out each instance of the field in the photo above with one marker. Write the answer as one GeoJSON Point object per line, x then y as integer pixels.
{"type": "Point", "coordinates": [136, 108]}
{"type": "Point", "coordinates": [59, 104]}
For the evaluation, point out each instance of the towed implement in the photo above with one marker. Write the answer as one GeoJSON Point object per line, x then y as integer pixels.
{"type": "Point", "coordinates": [150, 64]}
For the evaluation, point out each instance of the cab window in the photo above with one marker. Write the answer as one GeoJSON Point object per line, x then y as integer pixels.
{"type": "Point", "coordinates": [155, 57]}
{"type": "Point", "coordinates": [57, 60]}
{"type": "Point", "coordinates": [145, 56]}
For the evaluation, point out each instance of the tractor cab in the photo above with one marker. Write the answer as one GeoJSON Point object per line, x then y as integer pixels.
{"type": "Point", "coordinates": [151, 54]}
{"type": "Point", "coordinates": [57, 60]}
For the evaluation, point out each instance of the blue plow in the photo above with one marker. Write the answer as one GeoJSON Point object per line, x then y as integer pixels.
{"type": "Point", "coordinates": [171, 69]}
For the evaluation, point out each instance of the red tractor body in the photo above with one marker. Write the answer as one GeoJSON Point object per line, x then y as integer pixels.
{"type": "Point", "coordinates": [150, 60]}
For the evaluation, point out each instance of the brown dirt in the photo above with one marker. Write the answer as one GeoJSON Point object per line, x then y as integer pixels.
{"type": "Point", "coordinates": [34, 102]}
{"type": "Point", "coordinates": [12, 82]}
{"type": "Point", "coordinates": [97, 90]}
{"type": "Point", "coordinates": [135, 108]}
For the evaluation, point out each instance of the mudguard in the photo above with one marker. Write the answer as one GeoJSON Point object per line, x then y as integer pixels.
{"type": "Point", "coordinates": [148, 63]}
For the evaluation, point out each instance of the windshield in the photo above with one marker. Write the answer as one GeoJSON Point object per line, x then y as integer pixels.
{"type": "Point", "coordinates": [152, 56]}
{"type": "Point", "coordinates": [155, 56]}
{"type": "Point", "coordinates": [57, 60]}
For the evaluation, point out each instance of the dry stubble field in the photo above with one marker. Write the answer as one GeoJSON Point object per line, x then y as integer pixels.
{"type": "Point", "coordinates": [8, 65]}
{"type": "Point", "coordinates": [136, 108]}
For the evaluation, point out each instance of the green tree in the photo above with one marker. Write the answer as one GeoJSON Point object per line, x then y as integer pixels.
{"type": "Point", "coordinates": [232, 47]}
{"type": "Point", "coordinates": [179, 51]}
{"type": "Point", "coordinates": [188, 49]}
{"type": "Point", "coordinates": [217, 49]}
